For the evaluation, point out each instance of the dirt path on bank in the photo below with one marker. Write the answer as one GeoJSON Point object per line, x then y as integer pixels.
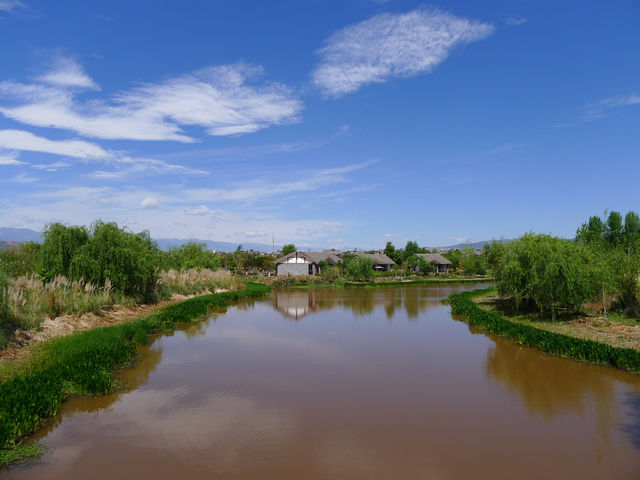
{"type": "Point", "coordinates": [24, 340]}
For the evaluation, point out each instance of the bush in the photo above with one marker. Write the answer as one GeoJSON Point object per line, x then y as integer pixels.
{"type": "Point", "coordinates": [359, 269]}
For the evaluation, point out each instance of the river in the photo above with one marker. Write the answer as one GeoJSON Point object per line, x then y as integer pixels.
{"type": "Point", "coordinates": [357, 383]}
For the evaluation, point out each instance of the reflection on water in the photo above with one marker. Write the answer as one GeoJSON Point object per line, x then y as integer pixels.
{"type": "Point", "coordinates": [361, 301]}
{"type": "Point", "coordinates": [364, 383]}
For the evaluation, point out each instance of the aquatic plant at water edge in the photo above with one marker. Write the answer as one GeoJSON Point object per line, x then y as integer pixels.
{"type": "Point", "coordinates": [551, 342]}
{"type": "Point", "coordinates": [82, 362]}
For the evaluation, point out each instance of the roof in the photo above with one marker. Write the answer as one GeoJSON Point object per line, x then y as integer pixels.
{"type": "Point", "coordinates": [434, 258]}
{"type": "Point", "coordinates": [329, 256]}
{"type": "Point", "coordinates": [377, 258]}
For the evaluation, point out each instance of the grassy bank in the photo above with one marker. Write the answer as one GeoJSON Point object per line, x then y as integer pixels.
{"type": "Point", "coordinates": [551, 342]}
{"type": "Point", "coordinates": [82, 363]}
{"type": "Point", "coordinates": [318, 282]}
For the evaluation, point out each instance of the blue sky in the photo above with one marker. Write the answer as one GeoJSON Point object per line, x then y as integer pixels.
{"type": "Point", "coordinates": [328, 123]}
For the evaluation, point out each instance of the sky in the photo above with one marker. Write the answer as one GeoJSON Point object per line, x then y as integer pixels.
{"type": "Point", "coordinates": [319, 122]}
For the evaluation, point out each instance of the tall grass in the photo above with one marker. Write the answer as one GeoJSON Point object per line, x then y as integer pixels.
{"type": "Point", "coordinates": [194, 281]}
{"type": "Point", "coordinates": [82, 362]}
{"type": "Point", "coordinates": [30, 299]}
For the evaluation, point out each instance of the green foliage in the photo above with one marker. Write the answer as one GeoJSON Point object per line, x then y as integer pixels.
{"type": "Point", "coordinates": [24, 260]}
{"type": "Point", "coordinates": [454, 256]}
{"type": "Point", "coordinates": [190, 255]}
{"type": "Point", "coordinates": [288, 248]}
{"type": "Point", "coordinates": [21, 454]}
{"type": "Point", "coordinates": [103, 252]}
{"type": "Point", "coordinates": [391, 252]}
{"type": "Point", "coordinates": [614, 231]}
{"type": "Point", "coordinates": [472, 263]}
{"type": "Point", "coordinates": [359, 269]}
{"type": "Point", "coordinates": [4, 300]}
{"type": "Point", "coordinates": [555, 343]}
{"type": "Point", "coordinates": [59, 247]}
{"type": "Point", "coordinates": [424, 267]}
{"type": "Point", "coordinates": [552, 273]}
{"type": "Point", "coordinates": [81, 363]}
{"type": "Point", "coordinates": [615, 246]}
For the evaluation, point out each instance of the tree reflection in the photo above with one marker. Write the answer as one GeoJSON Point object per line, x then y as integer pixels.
{"type": "Point", "coordinates": [414, 300]}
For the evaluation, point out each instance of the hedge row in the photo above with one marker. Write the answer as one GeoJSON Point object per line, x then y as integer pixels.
{"type": "Point", "coordinates": [555, 343]}
{"type": "Point", "coordinates": [82, 362]}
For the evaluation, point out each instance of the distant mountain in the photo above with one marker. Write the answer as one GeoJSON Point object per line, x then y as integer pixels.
{"type": "Point", "coordinates": [8, 234]}
{"type": "Point", "coordinates": [165, 243]}
{"type": "Point", "coordinates": [19, 235]}
{"type": "Point", "coordinates": [475, 245]}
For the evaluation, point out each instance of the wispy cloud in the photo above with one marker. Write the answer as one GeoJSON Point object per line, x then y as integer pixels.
{"type": "Point", "coordinates": [513, 21]}
{"type": "Point", "coordinates": [224, 100]}
{"type": "Point", "coordinates": [66, 72]}
{"type": "Point", "coordinates": [10, 158]}
{"type": "Point", "coordinates": [391, 45]}
{"type": "Point", "coordinates": [11, 5]}
{"type": "Point", "coordinates": [257, 190]}
{"type": "Point", "coordinates": [51, 167]}
{"type": "Point", "coordinates": [127, 167]}
{"type": "Point", "coordinates": [22, 140]}
{"type": "Point", "coordinates": [607, 106]}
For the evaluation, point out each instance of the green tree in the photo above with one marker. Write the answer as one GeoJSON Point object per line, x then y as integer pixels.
{"type": "Point", "coordinates": [631, 233]}
{"type": "Point", "coordinates": [359, 269]}
{"type": "Point", "coordinates": [59, 247]}
{"type": "Point", "coordinates": [614, 229]}
{"type": "Point", "coordinates": [288, 248]}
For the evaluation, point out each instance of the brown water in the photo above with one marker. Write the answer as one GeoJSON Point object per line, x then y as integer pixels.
{"type": "Point", "coordinates": [353, 384]}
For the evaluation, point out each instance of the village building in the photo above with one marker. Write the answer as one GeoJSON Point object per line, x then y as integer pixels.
{"type": "Point", "coordinates": [380, 261]}
{"type": "Point", "coordinates": [440, 263]}
{"type": "Point", "coordinates": [305, 263]}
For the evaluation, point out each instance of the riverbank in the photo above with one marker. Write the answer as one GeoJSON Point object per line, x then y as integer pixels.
{"type": "Point", "coordinates": [566, 343]}
{"type": "Point", "coordinates": [317, 282]}
{"type": "Point", "coordinates": [82, 363]}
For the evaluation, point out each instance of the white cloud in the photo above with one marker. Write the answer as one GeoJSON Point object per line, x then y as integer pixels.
{"type": "Point", "coordinates": [514, 21]}
{"type": "Point", "coordinates": [21, 140]}
{"type": "Point", "coordinates": [127, 167]}
{"type": "Point", "coordinates": [388, 46]}
{"type": "Point", "coordinates": [259, 190]}
{"type": "Point", "coordinates": [52, 167]}
{"type": "Point", "coordinates": [23, 178]}
{"type": "Point", "coordinates": [199, 210]}
{"type": "Point", "coordinates": [10, 159]}
{"type": "Point", "coordinates": [220, 99]}
{"type": "Point", "coordinates": [10, 5]}
{"type": "Point", "coordinates": [150, 202]}
{"type": "Point", "coordinates": [68, 73]}
{"type": "Point", "coordinates": [605, 107]}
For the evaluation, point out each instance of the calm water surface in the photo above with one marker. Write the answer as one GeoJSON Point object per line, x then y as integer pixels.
{"type": "Point", "coordinates": [354, 384]}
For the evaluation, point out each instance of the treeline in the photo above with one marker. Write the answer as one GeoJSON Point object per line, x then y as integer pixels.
{"type": "Point", "coordinates": [79, 269]}
{"type": "Point", "coordinates": [467, 260]}
{"type": "Point", "coordinates": [555, 276]}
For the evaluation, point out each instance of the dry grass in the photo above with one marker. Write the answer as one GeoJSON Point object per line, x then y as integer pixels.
{"type": "Point", "coordinates": [195, 281]}
{"type": "Point", "coordinates": [31, 300]}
